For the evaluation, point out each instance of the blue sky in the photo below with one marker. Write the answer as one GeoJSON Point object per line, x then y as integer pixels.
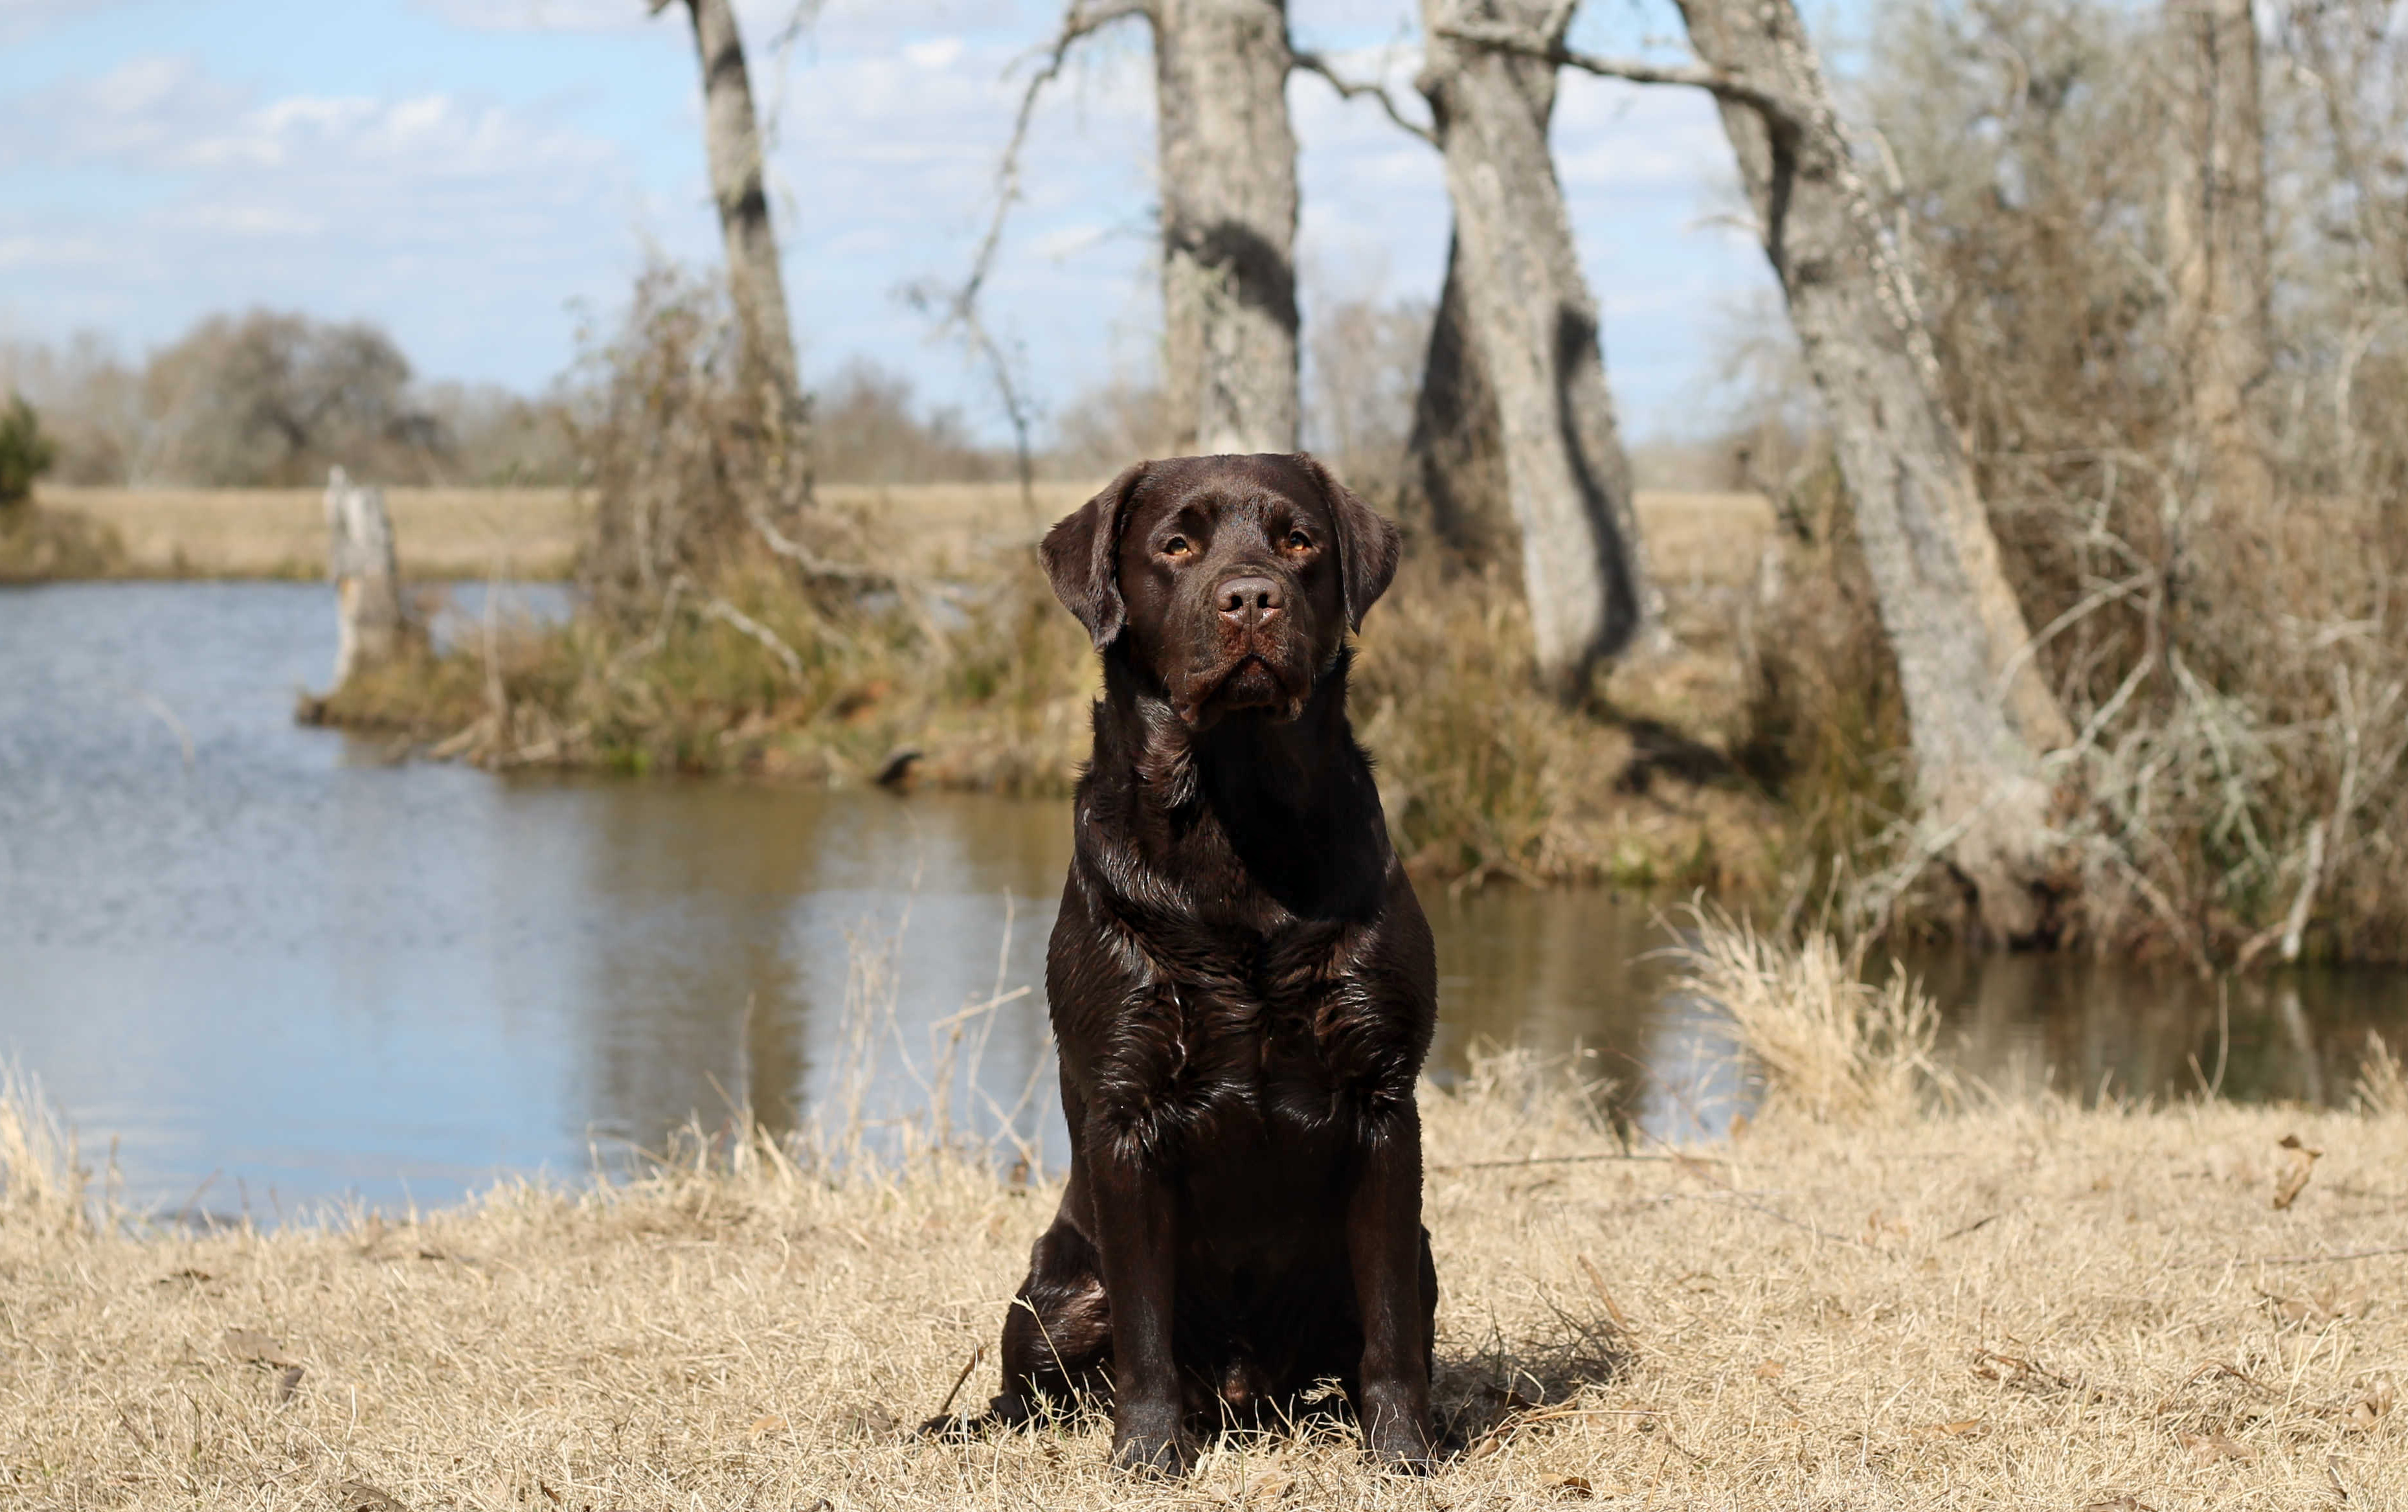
{"type": "Point", "coordinates": [480, 175]}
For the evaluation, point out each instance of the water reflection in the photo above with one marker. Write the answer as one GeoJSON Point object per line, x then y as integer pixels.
{"type": "Point", "coordinates": [282, 969]}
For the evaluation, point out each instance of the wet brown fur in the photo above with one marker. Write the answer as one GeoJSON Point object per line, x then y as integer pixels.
{"type": "Point", "coordinates": [1242, 984]}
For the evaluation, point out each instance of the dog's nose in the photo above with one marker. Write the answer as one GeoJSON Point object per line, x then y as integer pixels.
{"type": "Point", "coordinates": [1251, 601]}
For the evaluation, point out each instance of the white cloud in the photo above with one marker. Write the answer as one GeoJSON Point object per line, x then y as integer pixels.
{"type": "Point", "coordinates": [441, 215]}
{"type": "Point", "coordinates": [21, 19]}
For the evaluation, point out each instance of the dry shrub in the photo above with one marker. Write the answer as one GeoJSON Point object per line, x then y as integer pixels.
{"type": "Point", "coordinates": [2382, 1080]}
{"type": "Point", "coordinates": [2236, 667]}
{"type": "Point", "coordinates": [1478, 770]}
{"type": "Point", "coordinates": [1825, 726]}
{"type": "Point", "coordinates": [677, 457]}
{"type": "Point", "coordinates": [1828, 1044]}
{"type": "Point", "coordinates": [727, 623]}
{"type": "Point", "coordinates": [40, 544]}
{"type": "Point", "coordinates": [996, 700]}
{"type": "Point", "coordinates": [1486, 777]}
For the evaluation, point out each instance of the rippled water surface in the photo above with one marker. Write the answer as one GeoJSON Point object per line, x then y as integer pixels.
{"type": "Point", "coordinates": [275, 967]}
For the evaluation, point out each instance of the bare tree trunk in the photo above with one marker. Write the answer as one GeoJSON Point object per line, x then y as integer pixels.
{"type": "Point", "coordinates": [372, 623]}
{"type": "Point", "coordinates": [1455, 459]}
{"type": "Point", "coordinates": [1979, 713]}
{"type": "Point", "coordinates": [757, 289]}
{"type": "Point", "coordinates": [2216, 239]}
{"type": "Point", "coordinates": [1532, 331]}
{"type": "Point", "coordinates": [1229, 224]}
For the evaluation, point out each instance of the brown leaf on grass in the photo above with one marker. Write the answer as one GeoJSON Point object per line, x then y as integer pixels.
{"type": "Point", "coordinates": [1768, 1370]}
{"type": "Point", "coordinates": [1963, 1428]}
{"type": "Point", "coordinates": [2371, 1404]}
{"type": "Point", "coordinates": [2325, 1306]}
{"type": "Point", "coordinates": [1571, 1488]}
{"type": "Point", "coordinates": [2010, 1370]}
{"type": "Point", "coordinates": [769, 1422]}
{"type": "Point", "coordinates": [2207, 1448]}
{"type": "Point", "coordinates": [2295, 1180]}
{"type": "Point", "coordinates": [288, 1381]}
{"type": "Point", "coordinates": [252, 1346]}
{"type": "Point", "coordinates": [359, 1496]}
{"type": "Point", "coordinates": [1604, 1296]}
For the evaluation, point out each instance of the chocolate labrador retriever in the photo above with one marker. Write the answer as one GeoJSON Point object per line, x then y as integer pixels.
{"type": "Point", "coordinates": [1242, 984]}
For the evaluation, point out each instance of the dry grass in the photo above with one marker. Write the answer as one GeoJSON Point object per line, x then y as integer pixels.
{"type": "Point", "coordinates": [2030, 1305]}
{"type": "Point", "coordinates": [1827, 1044]}
{"type": "Point", "coordinates": [39, 543]}
{"type": "Point", "coordinates": [1700, 541]}
{"type": "Point", "coordinates": [281, 532]}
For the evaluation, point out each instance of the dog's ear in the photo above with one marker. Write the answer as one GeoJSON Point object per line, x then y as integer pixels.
{"type": "Point", "coordinates": [1367, 545]}
{"type": "Point", "coordinates": [1081, 555]}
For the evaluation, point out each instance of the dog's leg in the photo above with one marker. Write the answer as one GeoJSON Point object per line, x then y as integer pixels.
{"type": "Point", "coordinates": [1057, 1338]}
{"type": "Point", "coordinates": [1056, 1335]}
{"type": "Point", "coordinates": [1136, 1230]}
{"type": "Point", "coordinates": [1395, 1291]}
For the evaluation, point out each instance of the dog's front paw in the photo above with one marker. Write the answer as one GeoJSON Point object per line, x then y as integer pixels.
{"type": "Point", "coordinates": [1149, 1443]}
{"type": "Point", "coordinates": [1398, 1438]}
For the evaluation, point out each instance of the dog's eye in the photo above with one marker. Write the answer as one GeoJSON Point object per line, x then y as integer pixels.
{"type": "Point", "coordinates": [1175, 546]}
{"type": "Point", "coordinates": [1299, 542]}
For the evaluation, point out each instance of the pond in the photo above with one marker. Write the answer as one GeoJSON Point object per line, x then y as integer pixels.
{"type": "Point", "coordinates": [269, 967]}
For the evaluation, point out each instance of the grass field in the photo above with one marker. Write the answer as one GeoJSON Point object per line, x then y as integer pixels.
{"type": "Point", "coordinates": [1874, 1305]}
{"type": "Point", "coordinates": [531, 533]}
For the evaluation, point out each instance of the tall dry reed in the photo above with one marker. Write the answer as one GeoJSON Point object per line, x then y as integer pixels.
{"type": "Point", "coordinates": [42, 1178]}
{"type": "Point", "coordinates": [1827, 1044]}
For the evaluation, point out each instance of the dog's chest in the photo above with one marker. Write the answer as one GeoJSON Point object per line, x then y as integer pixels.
{"type": "Point", "coordinates": [1276, 1047]}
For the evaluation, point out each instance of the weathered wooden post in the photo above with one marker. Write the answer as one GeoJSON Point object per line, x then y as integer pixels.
{"type": "Point", "coordinates": [372, 620]}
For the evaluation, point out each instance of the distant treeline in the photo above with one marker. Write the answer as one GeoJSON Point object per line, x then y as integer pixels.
{"type": "Point", "coordinates": [268, 399]}
{"type": "Point", "coordinates": [271, 398]}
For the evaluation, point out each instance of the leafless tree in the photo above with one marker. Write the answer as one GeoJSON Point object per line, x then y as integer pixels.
{"type": "Point", "coordinates": [1980, 715]}
{"type": "Point", "coordinates": [1227, 171]}
{"type": "Point", "coordinates": [266, 398]}
{"type": "Point", "coordinates": [1529, 328]}
{"type": "Point", "coordinates": [756, 287]}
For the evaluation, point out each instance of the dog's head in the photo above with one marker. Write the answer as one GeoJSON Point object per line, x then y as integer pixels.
{"type": "Point", "coordinates": [1232, 579]}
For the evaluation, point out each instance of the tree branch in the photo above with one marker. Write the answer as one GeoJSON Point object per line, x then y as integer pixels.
{"type": "Point", "coordinates": [1313, 63]}
{"type": "Point", "coordinates": [1776, 108]}
{"type": "Point", "coordinates": [720, 609]}
{"type": "Point", "coordinates": [959, 307]}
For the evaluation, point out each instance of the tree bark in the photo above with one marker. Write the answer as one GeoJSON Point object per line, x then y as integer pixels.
{"type": "Point", "coordinates": [1455, 456]}
{"type": "Point", "coordinates": [371, 621]}
{"type": "Point", "coordinates": [755, 285]}
{"type": "Point", "coordinates": [1227, 160]}
{"type": "Point", "coordinates": [1979, 712]}
{"type": "Point", "coordinates": [2216, 239]}
{"type": "Point", "coordinates": [1532, 335]}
